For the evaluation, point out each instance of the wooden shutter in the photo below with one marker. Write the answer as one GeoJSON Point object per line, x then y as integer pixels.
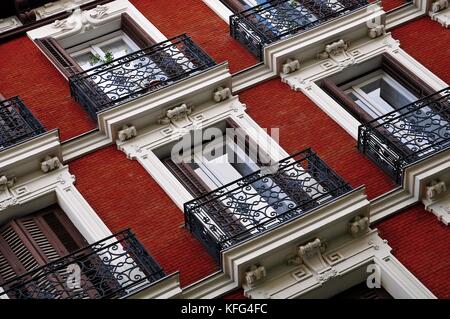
{"type": "Point", "coordinates": [32, 241]}
{"type": "Point", "coordinates": [135, 32]}
{"type": "Point", "coordinates": [58, 56]}
{"type": "Point", "coordinates": [236, 5]}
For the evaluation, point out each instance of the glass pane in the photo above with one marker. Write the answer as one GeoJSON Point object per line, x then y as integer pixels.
{"type": "Point", "coordinates": [116, 49]}
{"type": "Point", "coordinates": [87, 60]}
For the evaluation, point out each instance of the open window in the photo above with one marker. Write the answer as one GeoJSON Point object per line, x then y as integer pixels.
{"type": "Point", "coordinates": [74, 55]}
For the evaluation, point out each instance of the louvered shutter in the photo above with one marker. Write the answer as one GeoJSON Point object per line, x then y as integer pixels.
{"type": "Point", "coordinates": [58, 56]}
{"type": "Point", "coordinates": [135, 32]}
{"type": "Point", "coordinates": [33, 241]}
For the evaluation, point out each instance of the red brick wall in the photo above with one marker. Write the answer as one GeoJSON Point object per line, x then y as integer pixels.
{"type": "Point", "coordinates": [422, 244]}
{"type": "Point", "coordinates": [26, 72]}
{"type": "Point", "coordinates": [237, 294]}
{"type": "Point", "coordinates": [428, 42]}
{"type": "Point", "coordinates": [303, 124]}
{"type": "Point", "coordinates": [204, 26]}
{"type": "Point", "coordinates": [124, 196]}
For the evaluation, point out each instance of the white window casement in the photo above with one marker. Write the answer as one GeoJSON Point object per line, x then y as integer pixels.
{"type": "Point", "coordinates": [102, 50]}
{"type": "Point", "coordinates": [89, 38]}
{"type": "Point", "coordinates": [409, 11]}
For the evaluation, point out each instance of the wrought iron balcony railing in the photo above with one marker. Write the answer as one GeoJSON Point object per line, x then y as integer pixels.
{"type": "Point", "coordinates": [114, 267]}
{"type": "Point", "coordinates": [17, 123]}
{"type": "Point", "coordinates": [263, 200]}
{"type": "Point", "coordinates": [407, 135]}
{"type": "Point", "coordinates": [275, 20]}
{"type": "Point", "coordinates": [138, 73]}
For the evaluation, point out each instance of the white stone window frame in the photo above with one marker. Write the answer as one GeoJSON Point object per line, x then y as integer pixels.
{"type": "Point", "coordinates": [76, 29]}
{"type": "Point", "coordinates": [407, 12]}
{"type": "Point", "coordinates": [142, 147]}
{"type": "Point", "coordinates": [314, 70]}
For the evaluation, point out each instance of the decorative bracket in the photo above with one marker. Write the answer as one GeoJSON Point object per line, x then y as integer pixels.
{"type": "Point", "coordinates": [176, 113]}
{"type": "Point", "coordinates": [291, 66]}
{"type": "Point", "coordinates": [437, 200]}
{"type": "Point", "coordinates": [50, 163]}
{"type": "Point", "coordinates": [127, 132]}
{"type": "Point", "coordinates": [358, 225]}
{"type": "Point", "coordinates": [377, 31]}
{"type": "Point", "coordinates": [6, 183]}
{"type": "Point", "coordinates": [255, 274]}
{"type": "Point", "coordinates": [311, 255]}
{"type": "Point", "coordinates": [221, 94]}
{"type": "Point", "coordinates": [333, 49]}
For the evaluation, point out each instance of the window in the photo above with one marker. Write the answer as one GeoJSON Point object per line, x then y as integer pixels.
{"type": "Point", "coordinates": [102, 50]}
{"type": "Point", "coordinates": [112, 44]}
{"type": "Point", "coordinates": [378, 93]}
{"type": "Point", "coordinates": [32, 241]}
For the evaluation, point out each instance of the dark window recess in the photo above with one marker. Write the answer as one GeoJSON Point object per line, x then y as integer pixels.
{"type": "Point", "coordinates": [32, 241]}
{"type": "Point", "coordinates": [59, 57]}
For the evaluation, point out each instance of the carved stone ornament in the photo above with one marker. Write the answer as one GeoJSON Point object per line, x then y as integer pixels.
{"type": "Point", "coordinates": [255, 274]}
{"type": "Point", "coordinates": [127, 132]}
{"type": "Point", "coordinates": [221, 94]}
{"type": "Point", "coordinates": [50, 163]}
{"type": "Point", "coordinates": [358, 225]}
{"type": "Point", "coordinates": [290, 66]}
{"type": "Point", "coordinates": [176, 113]}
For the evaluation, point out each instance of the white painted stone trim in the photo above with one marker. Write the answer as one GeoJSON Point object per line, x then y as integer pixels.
{"type": "Point", "coordinates": [220, 9]}
{"type": "Point", "coordinates": [166, 288]}
{"type": "Point", "coordinates": [314, 70]}
{"type": "Point", "coordinates": [83, 22]}
{"type": "Point", "coordinates": [416, 9]}
{"type": "Point", "coordinates": [442, 17]}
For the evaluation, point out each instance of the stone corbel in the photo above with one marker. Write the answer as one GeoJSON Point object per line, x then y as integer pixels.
{"type": "Point", "coordinates": [256, 273]}
{"type": "Point", "coordinates": [358, 226]}
{"type": "Point", "coordinates": [437, 200]}
{"type": "Point", "coordinates": [333, 49]}
{"type": "Point", "coordinates": [311, 255]}
{"type": "Point", "coordinates": [176, 113]}
{"type": "Point", "coordinates": [221, 94]}
{"type": "Point", "coordinates": [127, 132]}
{"type": "Point", "coordinates": [50, 163]}
{"type": "Point", "coordinates": [440, 12]}
{"type": "Point", "coordinates": [290, 66]}
{"type": "Point", "coordinates": [377, 31]}
{"type": "Point", "coordinates": [439, 5]}
{"type": "Point", "coordinates": [6, 183]}
{"type": "Point", "coordinates": [6, 198]}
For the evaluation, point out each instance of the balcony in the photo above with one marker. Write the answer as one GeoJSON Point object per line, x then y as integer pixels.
{"type": "Point", "coordinates": [17, 123]}
{"type": "Point", "coordinates": [275, 20]}
{"type": "Point", "coordinates": [263, 200]}
{"type": "Point", "coordinates": [138, 73]}
{"type": "Point", "coordinates": [114, 267]}
{"type": "Point", "coordinates": [408, 135]}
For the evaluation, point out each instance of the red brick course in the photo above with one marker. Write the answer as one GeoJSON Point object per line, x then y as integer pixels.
{"type": "Point", "coordinates": [302, 124]}
{"type": "Point", "coordinates": [124, 196]}
{"type": "Point", "coordinates": [422, 244]}
{"type": "Point", "coordinates": [28, 73]}
{"type": "Point", "coordinates": [205, 27]}
{"type": "Point", "coordinates": [428, 42]}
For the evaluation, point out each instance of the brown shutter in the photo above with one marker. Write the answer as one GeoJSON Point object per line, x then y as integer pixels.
{"type": "Point", "coordinates": [58, 56]}
{"type": "Point", "coordinates": [135, 32]}
{"type": "Point", "coordinates": [331, 88]}
{"type": "Point", "coordinates": [405, 77]}
{"type": "Point", "coordinates": [235, 5]}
